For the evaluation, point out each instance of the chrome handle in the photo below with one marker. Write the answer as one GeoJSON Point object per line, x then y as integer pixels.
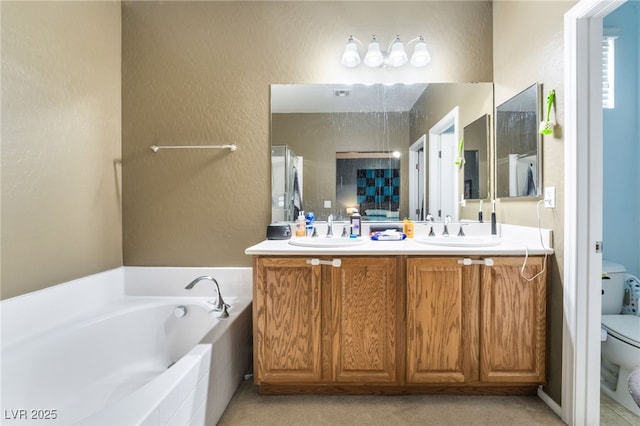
{"type": "Point", "coordinates": [180, 311]}
{"type": "Point", "coordinates": [461, 232]}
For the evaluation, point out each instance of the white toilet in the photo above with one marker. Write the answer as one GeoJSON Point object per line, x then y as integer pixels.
{"type": "Point", "coordinates": [621, 334]}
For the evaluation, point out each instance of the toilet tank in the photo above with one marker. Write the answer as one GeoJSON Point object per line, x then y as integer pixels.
{"type": "Point", "coordinates": [612, 287]}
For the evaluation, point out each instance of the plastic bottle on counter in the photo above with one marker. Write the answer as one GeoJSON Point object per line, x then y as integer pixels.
{"type": "Point", "coordinates": [356, 224]}
{"type": "Point", "coordinates": [310, 221]}
{"type": "Point", "coordinates": [300, 225]}
{"type": "Point", "coordinates": [408, 227]}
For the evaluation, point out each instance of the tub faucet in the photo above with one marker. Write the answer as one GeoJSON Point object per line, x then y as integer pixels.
{"type": "Point", "coordinates": [218, 304]}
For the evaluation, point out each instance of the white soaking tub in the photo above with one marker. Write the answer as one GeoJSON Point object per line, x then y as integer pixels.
{"type": "Point", "coordinates": [109, 348]}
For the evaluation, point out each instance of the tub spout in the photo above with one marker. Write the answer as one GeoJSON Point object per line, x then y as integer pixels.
{"type": "Point", "coordinates": [218, 304]}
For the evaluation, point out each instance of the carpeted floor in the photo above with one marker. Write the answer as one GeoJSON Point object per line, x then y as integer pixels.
{"type": "Point", "coordinates": [248, 408]}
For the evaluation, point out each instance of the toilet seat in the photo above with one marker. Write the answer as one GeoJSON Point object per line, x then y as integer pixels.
{"type": "Point", "coordinates": [623, 327]}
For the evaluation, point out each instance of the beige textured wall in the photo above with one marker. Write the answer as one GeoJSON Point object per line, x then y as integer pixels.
{"type": "Point", "coordinates": [528, 48]}
{"type": "Point", "coordinates": [61, 134]}
{"type": "Point", "coordinates": [199, 72]}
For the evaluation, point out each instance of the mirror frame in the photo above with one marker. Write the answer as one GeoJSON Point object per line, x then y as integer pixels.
{"type": "Point", "coordinates": [538, 143]}
{"type": "Point", "coordinates": [483, 123]}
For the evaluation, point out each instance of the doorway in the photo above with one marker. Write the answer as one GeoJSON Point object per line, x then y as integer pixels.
{"type": "Point", "coordinates": [583, 210]}
{"type": "Point", "coordinates": [443, 172]}
{"type": "Point", "coordinates": [417, 182]}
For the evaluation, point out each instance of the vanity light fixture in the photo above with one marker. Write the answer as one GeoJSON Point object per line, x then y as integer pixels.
{"type": "Point", "coordinates": [396, 57]}
{"type": "Point", "coordinates": [351, 57]}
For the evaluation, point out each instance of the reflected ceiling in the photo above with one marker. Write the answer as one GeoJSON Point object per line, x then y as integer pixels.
{"type": "Point", "coordinates": [328, 98]}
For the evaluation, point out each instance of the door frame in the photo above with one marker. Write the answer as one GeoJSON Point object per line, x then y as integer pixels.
{"type": "Point", "coordinates": [452, 118]}
{"type": "Point", "coordinates": [414, 184]}
{"type": "Point", "coordinates": [583, 210]}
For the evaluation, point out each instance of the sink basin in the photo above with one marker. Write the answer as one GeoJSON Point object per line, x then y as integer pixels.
{"type": "Point", "coordinates": [326, 242]}
{"type": "Point", "coordinates": [455, 241]}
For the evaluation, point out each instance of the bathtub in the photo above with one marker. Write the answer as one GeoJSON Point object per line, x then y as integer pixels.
{"type": "Point", "coordinates": [124, 347]}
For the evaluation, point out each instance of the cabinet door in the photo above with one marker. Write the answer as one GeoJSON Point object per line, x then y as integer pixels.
{"type": "Point", "coordinates": [287, 315]}
{"type": "Point", "coordinates": [513, 322]}
{"type": "Point", "coordinates": [442, 321]}
{"type": "Point", "coordinates": [364, 303]}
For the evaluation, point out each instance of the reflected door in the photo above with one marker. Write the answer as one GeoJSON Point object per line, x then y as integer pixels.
{"type": "Point", "coordinates": [443, 172]}
{"type": "Point", "coordinates": [417, 179]}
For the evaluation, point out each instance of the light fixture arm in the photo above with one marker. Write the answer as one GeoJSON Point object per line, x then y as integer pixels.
{"type": "Point", "coordinates": [396, 38]}
{"type": "Point", "coordinates": [352, 38]}
{"type": "Point", "coordinates": [419, 38]}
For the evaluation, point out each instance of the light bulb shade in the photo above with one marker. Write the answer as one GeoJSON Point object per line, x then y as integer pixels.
{"type": "Point", "coordinates": [373, 57]}
{"type": "Point", "coordinates": [397, 55]}
{"type": "Point", "coordinates": [421, 56]}
{"type": "Point", "coordinates": [350, 57]}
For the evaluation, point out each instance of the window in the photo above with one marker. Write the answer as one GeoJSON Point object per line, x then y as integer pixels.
{"type": "Point", "coordinates": [608, 71]}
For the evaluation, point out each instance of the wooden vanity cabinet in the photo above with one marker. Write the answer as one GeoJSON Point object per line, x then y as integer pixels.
{"type": "Point", "coordinates": [287, 320]}
{"type": "Point", "coordinates": [512, 321]}
{"type": "Point", "coordinates": [318, 324]}
{"type": "Point", "coordinates": [471, 323]}
{"type": "Point", "coordinates": [397, 324]}
{"type": "Point", "coordinates": [442, 321]}
{"type": "Point", "coordinates": [364, 306]}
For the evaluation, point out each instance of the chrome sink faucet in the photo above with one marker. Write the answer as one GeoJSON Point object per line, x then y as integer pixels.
{"type": "Point", "coordinates": [330, 226]}
{"type": "Point", "coordinates": [447, 221]}
{"type": "Point", "coordinates": [218, 304]}
{"type": "Point", "coordinates": [461, 232]}
{"type": "Point", "coordinates": [430, 221]}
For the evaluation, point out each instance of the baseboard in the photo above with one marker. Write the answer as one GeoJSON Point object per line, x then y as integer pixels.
{"type": "Point", "coordinates": [550, 402]}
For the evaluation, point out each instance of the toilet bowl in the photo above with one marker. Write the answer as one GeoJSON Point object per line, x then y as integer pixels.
{"type": "Point", "coordinates": [620, 352]}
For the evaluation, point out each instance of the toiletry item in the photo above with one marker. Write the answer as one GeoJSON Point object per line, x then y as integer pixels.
{"type": "Point", "coordinates": [480, 212]}
{"type": "Point", "coordinates": [494, 227]}
{"type": "Point", "coordinates": [408, 227]}
{"type": "Point", "coordinates": [300, 226]}
{"type": "Point", "coordinates": [310, 220]}
{"type": "Point", "coordinates": [355, 224]}
{"type": "Point", "coordinates": [388, 235]}
{"type": "Point", "coordinates": [278, 231]}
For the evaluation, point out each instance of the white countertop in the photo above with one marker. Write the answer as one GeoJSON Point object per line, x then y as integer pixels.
{"type": "Point", "coordinates": [514, 240]}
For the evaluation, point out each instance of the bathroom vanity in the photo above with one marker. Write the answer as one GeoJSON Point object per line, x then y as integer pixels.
{"type": "Point", "coordinates": [398, 317]}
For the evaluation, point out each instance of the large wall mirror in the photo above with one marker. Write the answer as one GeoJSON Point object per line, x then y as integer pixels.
{"type": "Point", "coordinates": [518, 156]}
{"type": "Point", "coordinates": [350, 146]}
{"type": "Point", "coordinates": [476, 159]}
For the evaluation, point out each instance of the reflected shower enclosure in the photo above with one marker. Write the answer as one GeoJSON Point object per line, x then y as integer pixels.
{"type": "Point", "coordinates": [286, 184]}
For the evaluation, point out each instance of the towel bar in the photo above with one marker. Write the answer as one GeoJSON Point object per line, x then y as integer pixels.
{"type": "Point", "coordinates": [155, 148]}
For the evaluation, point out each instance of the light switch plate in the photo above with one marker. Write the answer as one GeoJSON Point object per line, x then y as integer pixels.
{"type": "Point", "coordinates": [327, 204]}
{"type": "Point", "coordinates": [550, 197]}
